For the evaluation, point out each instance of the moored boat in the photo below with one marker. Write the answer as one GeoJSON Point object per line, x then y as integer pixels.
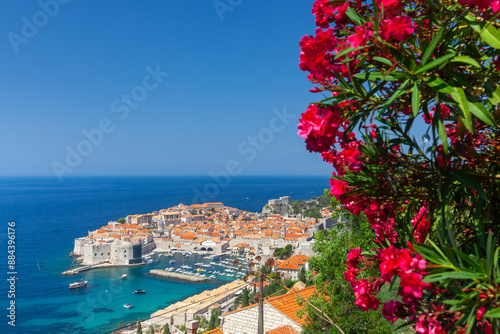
{"type": "Point", "coordinates": [124, 276]}
{"type": "Point", "coordinates": [140, 291]}
{"type": "Point", "coordinates": [79, 284]}
{"type": "Point", "coordinates": [128, 305]}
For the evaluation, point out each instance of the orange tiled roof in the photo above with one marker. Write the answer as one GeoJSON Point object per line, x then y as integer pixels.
{"type": "Point", "coordinates": [287, 304]}
{"type": "Point", "coordinates": [215, 331]}
{"type": "Point", "coordinates": [288, 265]}
{"type": "Point", "coordinates": [287, 329]}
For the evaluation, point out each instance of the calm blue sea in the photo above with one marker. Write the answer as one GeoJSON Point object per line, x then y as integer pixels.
{"type": "Point", "coordinates": [49, 214]}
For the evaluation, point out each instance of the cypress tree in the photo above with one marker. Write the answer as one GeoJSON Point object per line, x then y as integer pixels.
{"type": "Point", "coordinates": [139, 328]}
{"type": "Point", "coordinates": [302, 275]}
{"type": "Point", "coordinates": [244, 300]}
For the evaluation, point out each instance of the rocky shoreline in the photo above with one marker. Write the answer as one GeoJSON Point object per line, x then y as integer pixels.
{"type": "Point", "coordinates": [178, 276]}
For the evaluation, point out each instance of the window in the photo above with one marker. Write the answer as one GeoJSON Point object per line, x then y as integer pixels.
{"type": "Point", "coordinates": [102, 254]}
{"type": "Point", "coordinates": [95, 254]}
{"type": "Point", "coordinates": [124, 255]}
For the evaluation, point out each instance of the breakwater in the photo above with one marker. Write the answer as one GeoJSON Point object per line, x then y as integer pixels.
{"type": "Point", "coordinates": [178, 276]}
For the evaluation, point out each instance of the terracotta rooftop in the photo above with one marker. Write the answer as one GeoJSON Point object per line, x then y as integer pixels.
{"type": "Point", "coordinates": [287, 303]}
{"type": "Point", "coordinates": [215, 331]}
{"type": "Point", "coordinates": [282, 330]}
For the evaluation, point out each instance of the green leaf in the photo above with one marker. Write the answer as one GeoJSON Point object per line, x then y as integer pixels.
{"type": "Point", "coordinates": [467, 258]}
{"type": "Point", "coordinates": [438, 85]}
{"type": "Point", "coordinates": [358, 20]}
{"type": "Point", "coordinates": [435, 63]}
{"type": "Point", "coordinates": [415, 99]}
{"type": "Point", "coordinates": [466, 60]}
{"type": "Point", "coordinates": [488, 33]}
{"type": "Point", "coordinates": [493, 92]}
{"type": "Point", "coordinates": [489, 253]}
{"type": "Point", "coordinates": [400, 91]}
{"type": "Point", "coordinates": [442, 134]}
{"type": "Point", "coordinates": [478, 109]}
{"type": "Point", "coordinates": [452, 275]}
{"type": "Point", "coordinates": [344, 52]}
{"type": "Point", "coordinates": [470, 182]}
{"type": "Point", "coordinates": [430, 48]}
{"type": "Point", "coordinates": [383, 60]}
{"type": "Point", "coordinates": [457, 94]}
{"type": "Point", "coordinates": [431, 255]}
{"type": "Point", "coordinates": [495, 313]}
{"type": "Point", "coordinates": [373, 76]}
{"type": "Point", "coordinates": [491, 35]}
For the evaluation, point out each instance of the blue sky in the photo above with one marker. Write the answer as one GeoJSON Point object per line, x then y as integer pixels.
{"type": "Point", "coordinates": [231, 99]}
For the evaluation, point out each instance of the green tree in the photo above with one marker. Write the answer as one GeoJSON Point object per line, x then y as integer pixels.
{"type": "Point", "coordinates": [139, 328]}
{"type": "Point", "coordinates": [121, 221]}
{"type": "Point", "coordinates": [283, 253]}
{"type": "Point", "coordinates": [214, 321]}
{"type": "Point", "coordinates": [332, 247]}
{"type": "Point", "coordinates": [244, 298]}
{"type": "Point", "coordinates": [166, 329]}
{"type": "Point", "coordinates": [302, 275]}
{"type": "Point", "coordinates": [312, 212]}
{"type": "Point", "coordinates": [151, 330]}
{"type": "Point", "coordinates": [237, 302]}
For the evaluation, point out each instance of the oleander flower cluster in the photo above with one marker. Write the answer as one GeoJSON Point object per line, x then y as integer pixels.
{"type": "Point", "coordinates": [409, 123]}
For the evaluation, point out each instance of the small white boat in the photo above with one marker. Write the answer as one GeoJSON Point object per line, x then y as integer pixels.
{"type": "Point", "coordinates": [124, 276]}
{"type": "Point", "coordinates": [79, 284]}
{"type": "Point", "coordinates": [171, 261]}
{"type": "Point", "coordinates": [128, 305]}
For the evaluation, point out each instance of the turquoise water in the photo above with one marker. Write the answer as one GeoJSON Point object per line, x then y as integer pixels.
{"type": "Point", "coordinates": [50, 214]}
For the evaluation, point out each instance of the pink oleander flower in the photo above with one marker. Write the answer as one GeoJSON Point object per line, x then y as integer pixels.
{"type": "Point", "coordinates": [480, 312]}
{"type": "Point", "coordinates": [326, 13]}
{"type": "Point", "coordinates": [319, 126]}
{"type": "Point", "coordinates": [412, 284]}
{"type": "Point", "coordinates": [421, 222]}
{"type": "Point", "coordinates": [350, 275]}
{"type": "Point", "coordinates": [365, 293]}
{"type": "Point", "coordinates": [399, 262]}
{"type": "Point", "coordinates": [393, 310]}
{"type": "Point", "coordinates": [428, 325]}
{"type": "Point", "coordinates": [392, 8]}
{"type": "Point", "coordinates": [361, 35]}
{"type": "Point", "coordinates": [397, 28]}
{"type": "Point", "coordinates": [495, 6]}
{"type": "Point", "coordinates": [315, 56]}
{"type": "Point", "coordinates": [338, 187]}
{"type": "Point", "coordinates": [353, 258]}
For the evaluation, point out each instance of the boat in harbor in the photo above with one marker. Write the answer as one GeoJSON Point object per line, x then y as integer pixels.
{"type": "Point", "coordinates": [139, 291]}
{"type": "Point", "coordinates": [79, 284]}
{"type": "Point", "coordinates": [128, 305]}
{"type": "Point", "coordinates": [124, 276]}
{"type": "Point", "coordinates": [171, 261]}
